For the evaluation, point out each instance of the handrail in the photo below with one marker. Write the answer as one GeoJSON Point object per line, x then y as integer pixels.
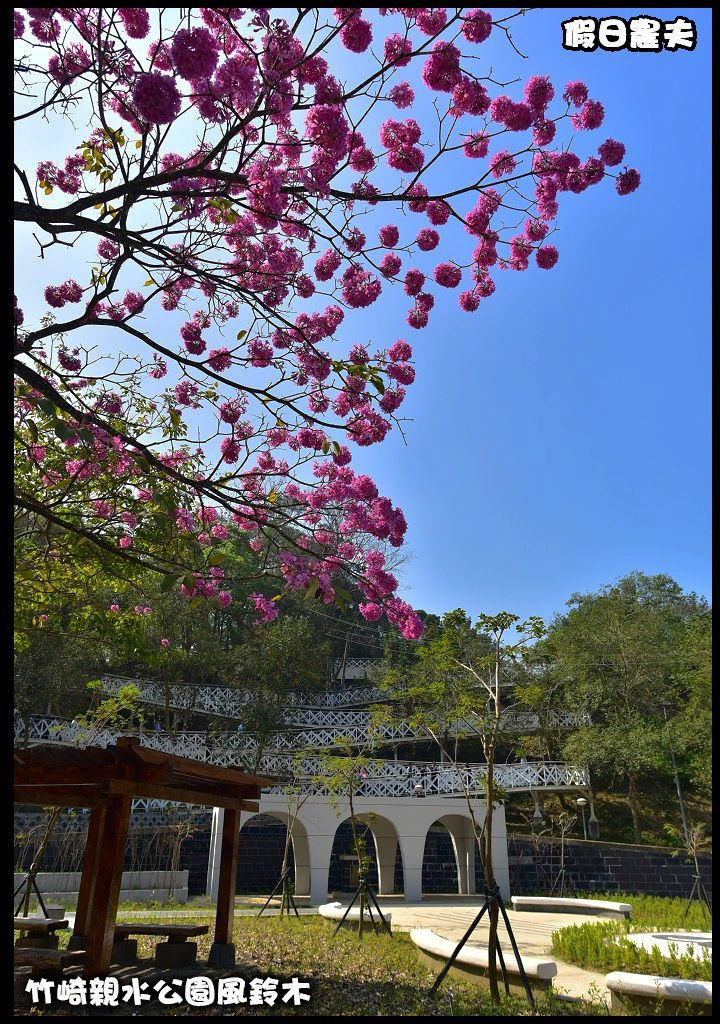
{"type": "Point", "coordinates": [378, 778]}
{"type": "Point", "coordinates": [349, 724]}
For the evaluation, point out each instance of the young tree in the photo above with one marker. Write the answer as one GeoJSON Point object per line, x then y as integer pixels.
{"type": "Point", "coordinates": [296, 795]}
{"type": "Point", "coordinates": [342, 775]}
{"type": "Point", "coordinates": [459, 690]}
{"type": "Point", "coordinates": [491, 672]}
{"type": "Point", "coordinates": [229, 166]}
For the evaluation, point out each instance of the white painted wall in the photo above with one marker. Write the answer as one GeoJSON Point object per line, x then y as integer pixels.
{"type": "Point", "coordinates": [393, 820]}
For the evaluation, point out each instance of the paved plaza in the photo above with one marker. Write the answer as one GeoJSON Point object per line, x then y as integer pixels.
{"type": "Point", "coordinates": [450, 916]}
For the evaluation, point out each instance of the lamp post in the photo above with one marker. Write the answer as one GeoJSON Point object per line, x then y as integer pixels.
{"type": "Point", "coordinates": [582, 804]}
{"type": "Point", "coordinates": [665, 704]}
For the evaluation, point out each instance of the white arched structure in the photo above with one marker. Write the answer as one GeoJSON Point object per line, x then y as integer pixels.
{"type": "Point", "coordinates": [298, 838]}
{"type": "Point", "coordinates": [464, 845]}
{"type": "Point", "coordinates": [386, 840]}
{"type": "Point", "coordinates": [393, 820]}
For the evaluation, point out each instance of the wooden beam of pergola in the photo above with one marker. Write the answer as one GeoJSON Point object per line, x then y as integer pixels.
{"type": "Point", "coordinates": [106, 780]}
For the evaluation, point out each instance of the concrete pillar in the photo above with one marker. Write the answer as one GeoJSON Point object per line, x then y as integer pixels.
{"type": "Point", "coordinates": [501, 869]}
{"type": "Point", "coordinates": [412, 849]}
{"type": "Point", "coordinates": [301, 857]}
{"type": "Point", "coordinates": [537, 820]}
{"type": "Point", "coordinates": [386, 852]}
{"type": "Point", "coordinates": [470, 849]}
{"type": "Point", "coordinates": [459, 848]}
{"type": "Point", "coordinates": [319, 849]}
{"type": "Point", "coordinates": [213, 872]}
{"type": "Point", "coordinates": [463, 840]}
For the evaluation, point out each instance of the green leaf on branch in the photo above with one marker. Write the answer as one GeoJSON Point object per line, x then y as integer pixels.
{"type": "Point", "coordinates": [47, 406]}
{"type": "Point", "coordinates": [313, 588]}
{"type": "Point", "coordinates": [64, 431]}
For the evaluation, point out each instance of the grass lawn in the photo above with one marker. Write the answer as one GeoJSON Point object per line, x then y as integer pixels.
{"type": "Point", "coordinates": [375, 976]}
{"type": "Point", "coordinates": [602, 945]}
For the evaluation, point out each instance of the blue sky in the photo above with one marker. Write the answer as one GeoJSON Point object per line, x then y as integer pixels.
{"type": "Point", "coordinates": [562, 432]}
{"type": "Point", "coordinates": [560, 435]}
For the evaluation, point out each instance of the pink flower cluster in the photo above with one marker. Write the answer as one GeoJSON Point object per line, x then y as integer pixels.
{"type": "Point", "coordinates": [57, 295]}
{"type": "Point", "coordinates": [267, 610]}
{"type": "Point", "coordinates": [156, 97]}
{"type": "Point", "coordinates": [400, 138]}
{"type": "Point", "coordinates": [283, 201]}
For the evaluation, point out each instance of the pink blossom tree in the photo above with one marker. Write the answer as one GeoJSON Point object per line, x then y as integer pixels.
{"type": "Point", "coordinates": [308, 188]}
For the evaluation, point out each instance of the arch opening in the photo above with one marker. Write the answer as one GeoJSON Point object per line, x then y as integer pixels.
{"type": "Point", "coordinates": [449, 861]}
{"type": "Point", "coordinates": [383, 849]}
{"type": "Point", "coordinates": [261, 847]}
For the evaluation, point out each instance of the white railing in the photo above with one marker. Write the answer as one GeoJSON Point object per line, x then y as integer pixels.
{"type": "Point", "coordinates": [197, 744]}
{"type": "Point", "coordinates": [404, 778]}
{"type": "Point", "coordinates": [228, 703]}
{"type": "Point", "coordinates": [346, 723]}
{"type": "Point", "coordinates": [355, 668]}
{"type": "Point", "coordinates": [378, 778]}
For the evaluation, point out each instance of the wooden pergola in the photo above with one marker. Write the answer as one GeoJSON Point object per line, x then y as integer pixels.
{"type": "Point", "coordinates": [105, 780]}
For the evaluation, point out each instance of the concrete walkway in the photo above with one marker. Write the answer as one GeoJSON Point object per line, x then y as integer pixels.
{"type": "Point", "coordinates": [450, 916]}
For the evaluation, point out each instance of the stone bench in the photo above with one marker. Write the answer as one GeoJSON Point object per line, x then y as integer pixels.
{"type": "Point", "coordinates": [43, 963]}
{"type": "Point", "coordinates": [176, 952]}
{"type": "Point", "coordinates": [335, 911]}
{"type": "Point", "coordinates": [670, 996]}
{"type": "Point", "coordinates": [567, 905]}
{"type": "Point", "coordinates": [38, 932]}
{"type": "Point", "coordinates": [472, 963]}
{"type": "Point", "coordinates": [47, 962]}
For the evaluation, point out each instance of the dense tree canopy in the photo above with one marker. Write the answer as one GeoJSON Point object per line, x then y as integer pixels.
{"type": "Point", "coordinates": [619, 654]}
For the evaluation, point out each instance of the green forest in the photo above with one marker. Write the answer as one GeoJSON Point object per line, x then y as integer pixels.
{"type": "Point", "coordinates": [632, 659]}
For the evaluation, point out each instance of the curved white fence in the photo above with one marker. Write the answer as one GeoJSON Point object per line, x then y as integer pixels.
{"type": "Point", "coordinates": [228, 703]}
{"type": "Point", "coordinates": [379, 778]}
{"type": "Point", "coordinates": [325, 726]}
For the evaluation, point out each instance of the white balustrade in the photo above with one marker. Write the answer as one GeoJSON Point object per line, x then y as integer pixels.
{"type": "Point", "coordinates": [228, 703]}
{"type": "Point", "coordinates": [345, 723]}
{"type": "Point", "coordinates": [378, 778]}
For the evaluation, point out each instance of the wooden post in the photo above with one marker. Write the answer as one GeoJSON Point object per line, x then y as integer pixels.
{"type": "Point", "coordinates": [106, 890]}
{"type": "Point", "coordinates": [89, 869]}
{"type": "Point", "coordinates": [228, 876]}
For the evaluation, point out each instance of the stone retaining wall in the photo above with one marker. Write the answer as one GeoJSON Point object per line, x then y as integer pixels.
{"type": "Point", "coordinates": [594, 866]}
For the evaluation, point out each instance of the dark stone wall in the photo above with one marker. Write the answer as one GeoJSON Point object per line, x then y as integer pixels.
{"type": "Point", "coordinates": [439, 872]}
{"type": "Point", "coordinates": [194, 857]}
{"type": "Point", "coordinates": [260, 853]}
{"type": "Point", "coordinates": [602, 867]}
{"type": "Point", "coordinates": [590, 866]}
